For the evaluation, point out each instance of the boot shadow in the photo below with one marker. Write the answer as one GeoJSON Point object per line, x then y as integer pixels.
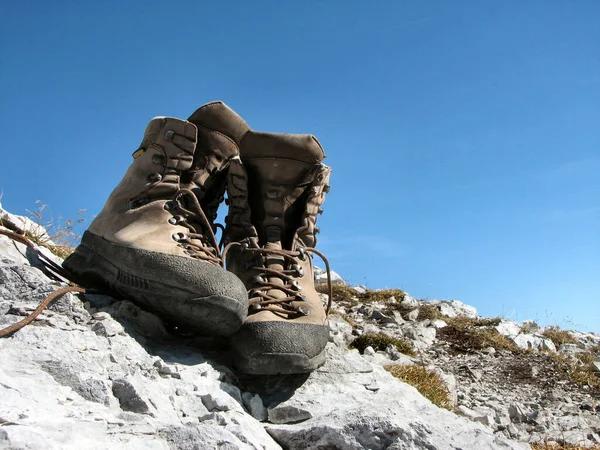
{"type": "Point", "coordinates": [175, 346]}
{"type": "Point", "coordinates": [273, 389]}
{"type": "Point", "coordinates": [157, 337]}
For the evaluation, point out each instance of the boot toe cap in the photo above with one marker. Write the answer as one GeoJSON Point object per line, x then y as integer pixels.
{"type": "Point", "coordinates": [279, 347]}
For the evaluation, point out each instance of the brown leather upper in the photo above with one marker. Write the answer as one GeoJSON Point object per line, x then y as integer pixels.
{"type": "Point", "coordinates": [275, 195]}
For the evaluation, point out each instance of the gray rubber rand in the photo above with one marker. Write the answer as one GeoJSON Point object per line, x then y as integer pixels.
{"type": "Point", "coordinates": [190, 293]}
{"type": "Point", "coordinates": [270, 348]}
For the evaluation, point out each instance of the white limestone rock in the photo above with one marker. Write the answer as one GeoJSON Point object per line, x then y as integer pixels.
{"type": "Point", "coordinates": [508, 328]}
{"type": "Point", "coordinates": [409, 302]}
{"type": "Point", "coordinates": [533, 342]}
{"type": "Point", "coordinates": [111, 376]}
{"type": "Point", "coordinates": [321, 276]}
{"type": "Point", "coordinates": [453, 308]}
{"type": "Point", "coordinates": [344, 416]}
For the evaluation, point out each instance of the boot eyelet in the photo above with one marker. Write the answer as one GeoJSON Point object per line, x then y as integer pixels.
{"type": "Point", "coordinates": [320, 210]}
{"type": "Point", "coordinates": [302, 310]}
{"type": "Point", "coordinates": [169, 135]}
{"type": "Point", "coordinates": [175, 220]}
{"type": "Point", "coordinates": [154, 177]}
{"type": "Point", "coordinates": [317, 230]}
{"type": "Point", "coordinates": [298, 269]}
{"type": "Point", "coordinates": [257, 280]}
{"type": "Point", "coordinates": [296, 286]}
{"type": "Point", "coordinates": [178, 237]}
{"type": "Point", "coordinates": [158, 159]}
{"type": "Point", "coordinates": [302, 255]}
{"type": "Point", "coordinates": [169, 206]}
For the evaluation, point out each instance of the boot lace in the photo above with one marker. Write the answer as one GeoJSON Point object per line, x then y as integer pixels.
{"type": "Point", "coordinates": [54, 270]}
{"type": "Point", "coordinates": [200, 242]}
{"type": "Point", "coordinates": [259, 297]}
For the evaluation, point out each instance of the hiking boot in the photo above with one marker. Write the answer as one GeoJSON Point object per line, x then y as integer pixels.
{"type": "Point", "coordinates": [274, 199]}
{"type": "Point", "coordinates": [154, 240]}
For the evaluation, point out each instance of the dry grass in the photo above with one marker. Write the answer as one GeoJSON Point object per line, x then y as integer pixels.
{"type": "Point", "coordinates": [528, 328]}
{"type": "Point", "coordinates": [380, 341]}
{"type": "Point", "coordinates": [346, 296]}
{"type": "Point", "coordinates": [431, 312]}
{"type": "Point", "coordinates": [470, 322]}
{"type": "Point", "coordinates": [346, 318]}
{"type": "Point", "coordinates": [341, 293]}
{"type": "Point", "coordinates": [579, 370]}
{"type": "Point", "coordinates": [559, 337]}
{"type": "Point", "coordinates": [466, 334]}
{"type": "Point", "coordinates": [57, 235]}
{"type": "Point", "coordinates": [428, 383]}
{"type": "Point", "coordinates": [382, 296]}
{"type": "Point", "coordinates": [556, 446]}
{"type": "Point", "coordinates": [62, 237]}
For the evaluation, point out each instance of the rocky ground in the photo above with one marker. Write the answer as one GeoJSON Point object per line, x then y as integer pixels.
{"type": "Point", "coordinates": [98, 372]}
{"type": "Point", "coordinates": [518, 380]}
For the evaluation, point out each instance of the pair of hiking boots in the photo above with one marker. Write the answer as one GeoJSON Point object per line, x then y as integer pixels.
{"type": "Point", "coordinates": [154, 241]}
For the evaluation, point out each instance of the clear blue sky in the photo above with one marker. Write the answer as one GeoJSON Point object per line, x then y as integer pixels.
{"type": "Point", "coordinates": [464, 136]}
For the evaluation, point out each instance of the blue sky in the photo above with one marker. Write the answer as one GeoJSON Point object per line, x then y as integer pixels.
{"type": "Point", "coordinates": [464, 136]}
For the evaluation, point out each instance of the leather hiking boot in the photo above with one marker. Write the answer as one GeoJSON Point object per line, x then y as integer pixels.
{"type": "Point", "coordinates": [154, 240]}
{"type": "Point", "coordinates": [275, 193]}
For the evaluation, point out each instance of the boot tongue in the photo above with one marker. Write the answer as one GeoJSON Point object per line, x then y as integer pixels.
{"type": "Point", "coordinates": [275, 262]}
{"type": "Point", "coordinates": [280, 168]}
{"type": "Point", "coordinates": [220, 131]}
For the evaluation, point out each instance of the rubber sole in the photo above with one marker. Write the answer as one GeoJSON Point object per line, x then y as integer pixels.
{"type": "Point", "coordinates": [278, 363]}
{"type": "Point", "coordinates": [193, 295]}
{"type": "Point", "coordinates": [272, 348]}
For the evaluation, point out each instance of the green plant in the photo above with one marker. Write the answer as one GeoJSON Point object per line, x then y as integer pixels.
{"type": "Point", "coordinates": [380, 341]}
{"type": "Point", "coordinates": [427, 382]}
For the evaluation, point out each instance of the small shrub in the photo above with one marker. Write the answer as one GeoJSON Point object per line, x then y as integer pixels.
{"type": "Point", "coordinates": [528, 328]}
{"type": "Point", "coordinates": [345, 295]}
{"type": "Point", "coordinates": [380, 341]}
{"type": "Point", "coordinates": [466, 334]}
{"type": "Point", "coordinates": [381, 296]}
{"type": "Point", "coordinates": [427, 382]}
{"type": "Point", "coordinates": [546, 445]}
{"type": "Point", "coordinates": [559, 337]}
{"type": "Point", "coordinates": [341, 292]}
{"type": "Point", "coordinates": [470, 322]}
{"type": "Point", "coordinates": [430, 312]}
{"type": "Point", "coordinates": [578, 370]}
